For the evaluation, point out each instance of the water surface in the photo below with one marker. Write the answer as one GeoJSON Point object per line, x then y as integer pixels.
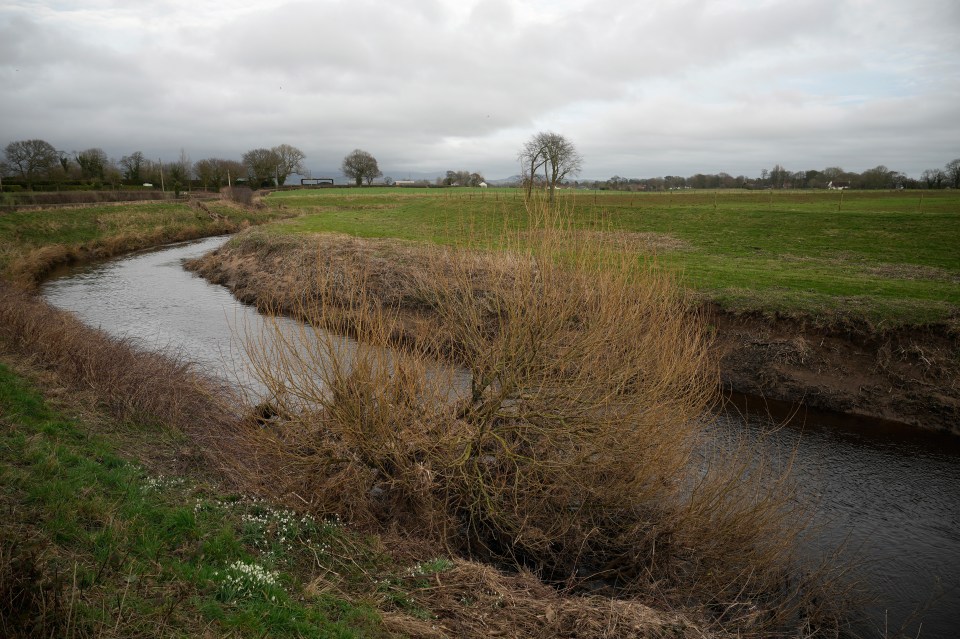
{"type": "Point", "coordinates": [892, 497]}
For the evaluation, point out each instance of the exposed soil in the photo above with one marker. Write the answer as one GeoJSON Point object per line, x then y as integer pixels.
{"type": "Point", "coordinates": [910, 375]}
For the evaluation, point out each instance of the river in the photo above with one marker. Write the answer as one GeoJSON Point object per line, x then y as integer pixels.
{"type": "Point", "coordinates": [891, 495]}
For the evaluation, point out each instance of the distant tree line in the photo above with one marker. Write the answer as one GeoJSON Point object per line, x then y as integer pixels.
{"type": "Point", "coordinates": [29, 164]}
{"type": "Point", "coordinates": [778, 177]}
{"type": "Point", "coordinates": [547, 160]}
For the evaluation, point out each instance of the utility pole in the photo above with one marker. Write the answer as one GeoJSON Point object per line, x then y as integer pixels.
{"type": "Point", "coordinates": [162, 189]}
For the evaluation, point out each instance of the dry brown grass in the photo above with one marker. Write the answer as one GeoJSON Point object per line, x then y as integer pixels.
{"type": "Point", "coordinates": [475, 600]}
{"type": "Point", "coordinates": [133, 385]}
{"type": "Point", "coordinates": [29, 266]}
{"type": "Point", "coordinates": [577, 450]}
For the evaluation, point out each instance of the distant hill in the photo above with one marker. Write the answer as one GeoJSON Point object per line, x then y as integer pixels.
{"type": "Point", "coordinates": [513, 180]}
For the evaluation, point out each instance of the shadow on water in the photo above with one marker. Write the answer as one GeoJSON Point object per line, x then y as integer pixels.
{"type": "Point", "coordinates": [889, 493]}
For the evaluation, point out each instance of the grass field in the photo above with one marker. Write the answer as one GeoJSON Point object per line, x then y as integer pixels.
{"type": "Point", "coordinates": [884, 258]}
{"type": "Point", "coordinates": [100, 546]}
{"type": "Point", "coordinates": [97, 544]}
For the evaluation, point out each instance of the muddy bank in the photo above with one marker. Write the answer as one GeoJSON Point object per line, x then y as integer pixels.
{"type": "Point", "coordinates": [910, 376]}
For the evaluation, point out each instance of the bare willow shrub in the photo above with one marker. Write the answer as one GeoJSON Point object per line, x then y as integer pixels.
{"type": "Point", "coordinates": [574, 446]}
{"type": "Point", "coordinates": [589, 380]}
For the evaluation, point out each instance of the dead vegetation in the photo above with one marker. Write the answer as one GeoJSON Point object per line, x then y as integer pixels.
{"type": "Point", "coordinates": [575, 448]}
{"type": "Point", "coordinates": [133, 385]}
{"type": "Point", "coordinates": [30, 266]}
{"type": "Point", "coordinates": [574, 452]}
{"type": "Point", "coordinates": [475, 600]}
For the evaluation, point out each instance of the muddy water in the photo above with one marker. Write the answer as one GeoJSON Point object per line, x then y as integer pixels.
{"type": "Point", "coordinates": [891, 496]}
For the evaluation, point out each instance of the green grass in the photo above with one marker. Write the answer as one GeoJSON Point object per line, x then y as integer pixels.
{"type": "Point", "coordinates": [97, 546]}
{"type": "Point", "coordinates": [886, 258]}
{"type": "Point", "coordinates": [113, 228]}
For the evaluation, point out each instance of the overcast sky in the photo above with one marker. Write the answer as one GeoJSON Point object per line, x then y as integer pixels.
{"type": "Point", "coordinates": [643, 88]}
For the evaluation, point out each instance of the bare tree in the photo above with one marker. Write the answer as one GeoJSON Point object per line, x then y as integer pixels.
{"type": "Point", "coordinates": [359, 166]}
{"type": "Point", "coordinates": [462, 178]}
{"type": "Point", "coordinates": [64, 159]}
{"type": "Point", "coordinates": [180, 172]}
{"type": "Point", "coordinates": [933, 178]}
{"type": "Point", "coordinates": [207, 171]}
{"type": "Point", "coordinates": [531, 159]}
{"type": "Point", "coordinates": [132, 166]}
{"type": "Point", "coordinates": [953, 172]}
{"type": "Point", "coordinates": [93, 163]}
{"type": "Point", "coordinates": [217, 172]}
{"type": "Point", "coordinates": [879, 177]}
{"type": "Point", "coordinates": [289, 160]}
{"type": "Point", "coordinates": [778, 176]}
{"type": "Point", "coordinates": [31, 158]}
{"type": "Point", "coordinates": [263, 166]}
{"type": "Point", "coordinates": [555, 154]}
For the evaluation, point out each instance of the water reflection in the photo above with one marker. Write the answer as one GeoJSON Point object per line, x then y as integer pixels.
{"type": "Point", "coordinates": [893, 497]}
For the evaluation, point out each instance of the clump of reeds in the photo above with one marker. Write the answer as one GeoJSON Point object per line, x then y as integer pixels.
{"type": "Point", "coordinates": [573, 444]}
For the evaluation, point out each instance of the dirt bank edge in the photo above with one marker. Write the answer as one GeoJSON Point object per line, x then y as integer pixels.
{"type": "Point", "coordinates": [908, 375]}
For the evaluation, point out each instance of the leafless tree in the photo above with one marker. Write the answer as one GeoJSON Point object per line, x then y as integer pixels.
{"type": "Point", "coordinates": [953, 172]}
{"type": "Point", "coordinates": [218, 172]}
{"type": "Point", "coordinates": [263, 166]}
{"type": "Point", "coordinates": [359, 166]}
{"type": "Point", "coordinates": [778, 176]}
{"type": "Point", "coordinates": [289, 160]}
{"type": "Point", "coordinates": [180, 172]}
{"type": "Point", "coordinates": [93, 163]}
{"type": "Point", "coordinates": [462, 178]}
{"type": "Point", "coordinates": [933, 177]}
{"type": "Point", "coordinates": [555, 154]}
{"type": "Point", "coordinates": [132, 166]}
{"type": "Point", "coordinates": [31, 158]}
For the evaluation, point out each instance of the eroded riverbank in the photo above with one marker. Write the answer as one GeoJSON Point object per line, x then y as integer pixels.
{"type": "Point", "coordinates": [910, 376]}
{"type": "Point", "coordinates": [886, 497]}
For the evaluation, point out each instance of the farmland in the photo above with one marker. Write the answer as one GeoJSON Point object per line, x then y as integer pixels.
{"type": "Point", "coordinates": [879, 259]}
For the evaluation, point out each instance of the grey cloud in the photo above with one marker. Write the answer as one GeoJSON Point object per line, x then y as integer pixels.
{"type": "Point", "coordinates": [642, 88]}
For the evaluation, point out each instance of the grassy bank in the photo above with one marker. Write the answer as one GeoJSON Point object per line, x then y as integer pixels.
{"type": "Point", "coordinates": [93, 544]}
{"type": "Point", "coordinates": [113, 529]}
{"type": "Point", "coordinates": [140, 504]}
{"type": "Point", "coordinates": [879, 259]}
{"type": "Point", "coordinates": [34, 242]}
